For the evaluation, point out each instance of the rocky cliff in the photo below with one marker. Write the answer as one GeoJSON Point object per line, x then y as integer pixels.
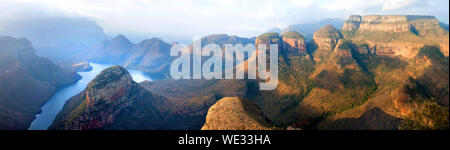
{"type": "Point", "coordinates": [26, 82]}
{"type": "Point", "coordinates": [396, 35]}
{"type": "Point", "coordinates": [233, 113]}
{"type": "Point", "coordinates": [293, 42]}
{"type": "Point", "coordinates": [325, 40]}
{"type": "Point", "coordinates": [111, 101]}
{"type": "Point", "coordinates": [267, 39]}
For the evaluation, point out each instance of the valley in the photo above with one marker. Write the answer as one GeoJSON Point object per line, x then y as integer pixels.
{"type": "Point", "coordinates": [372, 72]}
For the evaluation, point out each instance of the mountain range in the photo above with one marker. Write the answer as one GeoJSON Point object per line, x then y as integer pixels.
{"type": "Point", "coordinates": [384, 72]}
{"type": "Point", "coordinates": [26, 82]}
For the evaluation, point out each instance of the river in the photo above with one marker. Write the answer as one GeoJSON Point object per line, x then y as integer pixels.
{"type": "Point", "coordinates": [55, 104]}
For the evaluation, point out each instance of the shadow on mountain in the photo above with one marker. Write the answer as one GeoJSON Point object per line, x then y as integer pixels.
{"type": "Point", "coordinates": [374, 119]}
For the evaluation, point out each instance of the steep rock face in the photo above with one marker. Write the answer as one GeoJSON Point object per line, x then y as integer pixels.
{"type": "Point", "coordinates": [26, 82]}
{"type": "Point", "coordinates": [352, 23]}
{"type": "Point", "coordinates": [325, 39]}
{"type": "Point", "coordinates": [293, 42]}
{"type": "Point", "coordinates": [233, 113]}
{"type": "Point", "coordinates": [267, 39]}
{"type": "Point", "coordinates": [111, 101]}
{"type": "Point", "coordinates": [397, 35]}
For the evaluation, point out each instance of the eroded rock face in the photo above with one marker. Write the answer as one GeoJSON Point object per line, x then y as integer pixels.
{"type": "Point", "coordinates": [327, 37]}
{"type": "Point", "coordinates": [343, 49]}
{"type": "Point", "coordinates": [397, 35]}
{"type": "Point", "coordinates": [352, 23]}
{"type": "Point", "coordinates": [268, 38]}
{"type": "Point", "coordinates": [234, 113]}
{"type": "Point", "coordinates": [105, 97]}
{"type": "Point", "coordinates": [293, 42]}
{"type": "Point", "coordinates": [112, 100]}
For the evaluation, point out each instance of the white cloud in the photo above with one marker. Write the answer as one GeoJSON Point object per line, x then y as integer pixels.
{"type": "Point", "coordinates": [365, 5]}
{"type": "Point", "coordinates": [351, 5]}
{"type": "Point", "coordinates": [303, 3]}
{"type": "Point", "coordinates": [245, 27]}
{"type": "Point", "coordinates": [267, 12]}
{"type": "Point", "coordinates": [398, 4]}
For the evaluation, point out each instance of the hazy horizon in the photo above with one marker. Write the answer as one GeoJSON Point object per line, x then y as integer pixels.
{"type": "Point", "coordinates": [176, 20]}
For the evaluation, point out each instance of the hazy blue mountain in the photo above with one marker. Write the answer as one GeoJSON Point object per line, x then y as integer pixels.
{"type": "Point", "coordinates": [308, 30]}
{"type": "Point", "coordinates": [57, 38]}
{"type": "Point", "coordinates": [26, 82]}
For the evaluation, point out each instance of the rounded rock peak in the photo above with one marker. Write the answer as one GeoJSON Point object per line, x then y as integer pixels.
{"type": "Point", "coordinates": [268, 36]}
{"type": "Point", "coordinates": [328, 31]}
{"type": "Point", "coordinates": [109, 75]}
{"type": "Point", "coordinates": [293, 35]}
{"type": "Point", "coordinates": [234, 113]}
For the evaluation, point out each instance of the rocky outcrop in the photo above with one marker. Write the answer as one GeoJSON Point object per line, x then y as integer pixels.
{"type": "Point", "coordinates": [390, 23]}
{"type": "Point", "coordinates": [352, 23]}
{"type": "Point", "coordinates": [26, 82]}
{"type": "Point", "coordinates": [267, 39]}
{"type": "Point", "coordinates": [111, 101]}
{"type": "Point", "coordinates": [325, 40]}
{"type": "Point", "coordinates": [293, 42]}
{"type": "Point", "coordinates": [233, 113]}
{"type": "Point", "coordinates": [327, 37]}
{"type": "Point", "coordinates": [343, 48]}
{"type": "Point", "coordinates": [397, 35]}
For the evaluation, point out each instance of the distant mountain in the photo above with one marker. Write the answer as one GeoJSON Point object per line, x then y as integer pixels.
{"type": "Point", "coordinates": [56, 38]}
{"type": "Point", "coordinates": [150, 55]}
{"type": "Point", "coordinates": [275, 30]}
{"type": "Point", "coordinates": [26, 82]}
{"type": "Point", "coordinates": [234, 113]}
{"type": "Point", "coordinates": [308, 29]}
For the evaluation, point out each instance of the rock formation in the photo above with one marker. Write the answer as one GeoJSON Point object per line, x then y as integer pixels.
{"type": "Point", "coordinates": [267, 39]}
{"type": "Point", "coordinates": [111, 101]}
{"type": "Point", "coordinates": [233, 113]}
{"type": "Point", "coordinates": [293, 42]}
{"type": "Point", "coordinates": [397, 35]}
{"type": "Point", "coordinates": [327, 37]}
{"type": "Point", "coordinates": [325, 40]}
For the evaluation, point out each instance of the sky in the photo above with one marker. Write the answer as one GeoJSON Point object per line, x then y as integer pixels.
{"type": "Point", "coordinates": [244, 18]}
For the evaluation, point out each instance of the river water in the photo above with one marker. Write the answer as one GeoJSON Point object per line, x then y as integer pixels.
{"type": "Point", "coordinates": [56, 102]}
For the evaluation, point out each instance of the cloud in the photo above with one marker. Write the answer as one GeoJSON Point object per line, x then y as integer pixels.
{"type": "Point", "coordinates": [351, 5]}
{"type": "Point", "coordinates": [267, 12]}
{"type": "Point", "coordinates": [375, 6]}
{"type": "Point", "coordinates": [303, 3]}
{"type": "Point", "coordinates": [246, 27]}
{"type": "Point", "coordinates": [187, 17]}
{"type": "Point", "coordinates": [398, 4]}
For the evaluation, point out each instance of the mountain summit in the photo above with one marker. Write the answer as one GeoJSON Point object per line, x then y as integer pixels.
{"type": "Point", "coordinates": [111, 101]}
